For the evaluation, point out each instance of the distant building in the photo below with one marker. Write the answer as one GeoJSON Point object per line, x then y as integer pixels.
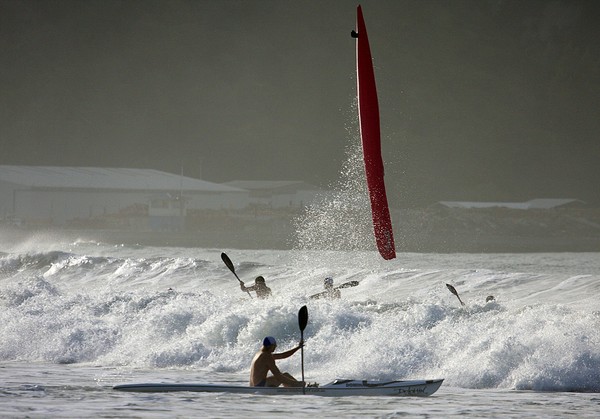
{"type": "Point", "coordinates": [46, 195]}
{"type": "Point", "coordinates": [279, 193]}
{"type": "Point", "coordinates": [531, 204]}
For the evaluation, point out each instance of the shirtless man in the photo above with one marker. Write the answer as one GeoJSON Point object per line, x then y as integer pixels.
{"type": "Point", "coordinates": [331, 292]}
{"type": "Point", "coordinates": [261, 289]}
{"type": "Point", "coordinates": [264, 361]}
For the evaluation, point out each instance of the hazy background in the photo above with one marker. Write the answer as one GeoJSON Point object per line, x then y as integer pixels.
{"type": "Point", "coordinates": [480, 100]}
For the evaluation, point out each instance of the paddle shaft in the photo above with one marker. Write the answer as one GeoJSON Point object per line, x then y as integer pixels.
{"type": "Point", "coordinates": [302, 357]}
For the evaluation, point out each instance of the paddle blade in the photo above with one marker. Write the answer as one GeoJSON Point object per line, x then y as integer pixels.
{"type": "Point", "coordinates": [228, 262]}
{"type": "Point", "coordinates": [302, 321]}
{"type": "Point", "coordinates": [450, 287]}
{"type": "Point", "coordinates": [302, 318]}
{"type": "Point", "coordinates": [453, 291]}
{"type": "Point", "coordinates": [348, 284]}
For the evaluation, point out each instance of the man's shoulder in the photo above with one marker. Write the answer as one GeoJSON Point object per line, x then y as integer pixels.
{"type": "Point", "coordinates": [265, 353]}
{"type": "Point", "coordinates": [262, 356]}
{"type": "Point", "coordinates": [268, 358]}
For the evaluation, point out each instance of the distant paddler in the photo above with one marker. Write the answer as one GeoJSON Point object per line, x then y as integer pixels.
{"type": "Point", "coordinates": [332, 292]}
{"type": "Point", "coordinates": [259, 287]}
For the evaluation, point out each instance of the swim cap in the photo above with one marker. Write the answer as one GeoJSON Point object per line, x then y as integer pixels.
{"type": "Point", "coordinates": [269, 340]}
{"type": "Point", "coordinates": [259, 279]}
{"type": "Point", "coordinates": [328, 281]}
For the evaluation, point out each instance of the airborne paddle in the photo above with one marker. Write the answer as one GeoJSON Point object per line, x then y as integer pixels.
{"type": "Point", "coordinates": [229, 264]}
{"type": "Point", "coordinates": [302, 321]}
{"type": "Point", "coordinates": [344, 285]}
{"type": "Point", "coordinates": [453, 291]}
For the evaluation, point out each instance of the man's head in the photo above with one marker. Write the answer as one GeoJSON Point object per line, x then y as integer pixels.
{"type": "Point", "coordinates": [269, 343]}
{"type": "Point", "coordinates": [328, 282]}
{"type": "Point", "coordinates": [259, 280]}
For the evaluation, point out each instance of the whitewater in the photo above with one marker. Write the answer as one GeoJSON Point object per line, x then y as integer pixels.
{"type": "Point", "coordinates": [80, 316]}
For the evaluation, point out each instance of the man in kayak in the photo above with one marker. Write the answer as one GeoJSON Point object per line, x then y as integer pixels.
{"type": "Point", "coordinates": [264, 361]}
{"type": "Point", "coordinates": [261, 289]}
{"type": "Point", "coordinates": [331, 292]}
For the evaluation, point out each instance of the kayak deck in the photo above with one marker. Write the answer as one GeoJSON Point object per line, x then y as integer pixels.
{"type": "Point", "coordinates": [338, 387]}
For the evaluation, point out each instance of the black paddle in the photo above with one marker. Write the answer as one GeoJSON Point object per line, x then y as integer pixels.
{"type": "Point", "coordinates": [302, 320]}
{"type": "Point", "coordinates": [347, 284]}
{"type": "Point", "coordinates": [453, 291]}
{"type": "Point", "coordinates": [344, 285]}
{"type": "Point", "coordinates": [232, 269]}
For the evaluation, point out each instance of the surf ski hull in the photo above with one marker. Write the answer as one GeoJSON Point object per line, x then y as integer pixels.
{"type": "Point", "coordinates": [368, 113]}
{"type": "Point", "coordinates": [337, 388]}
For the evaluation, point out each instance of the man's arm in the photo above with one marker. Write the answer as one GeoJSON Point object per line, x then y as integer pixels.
{"type": "Point", "coordinates": [287, 354]}
{"type": "Point", "coordinates": [246, 289]}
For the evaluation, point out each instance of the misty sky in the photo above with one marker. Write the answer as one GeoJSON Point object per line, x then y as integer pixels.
{"type": "Point", "coordinates": [480, 100]}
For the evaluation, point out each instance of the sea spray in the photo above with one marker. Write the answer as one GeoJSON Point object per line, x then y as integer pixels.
{"type": "Point", "coordinates": [340, 220]}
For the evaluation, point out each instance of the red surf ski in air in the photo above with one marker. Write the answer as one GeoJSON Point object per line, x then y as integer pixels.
{"type": "Point", "coordinates": [368, 110]}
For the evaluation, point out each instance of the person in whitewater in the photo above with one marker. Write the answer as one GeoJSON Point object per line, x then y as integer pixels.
{"type": "Point", "coordinates": [261, 289]}
{"type": "Point", "coordinates": [264, 361]}
{"type": "Point", "coordinates": [330, 291]}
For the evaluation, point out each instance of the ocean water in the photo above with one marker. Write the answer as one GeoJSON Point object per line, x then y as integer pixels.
{"type": "Point", "coordinates": [77, 317]}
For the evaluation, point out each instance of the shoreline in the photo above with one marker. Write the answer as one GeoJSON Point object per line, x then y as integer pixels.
{"type": "Point", "coordinates": [427, 230]}
{"type": "Point", "coordinates": [442, 243]}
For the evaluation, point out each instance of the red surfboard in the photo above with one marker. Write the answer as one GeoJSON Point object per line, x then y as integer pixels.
{"type": "Point", "coordinates": [368, 113]}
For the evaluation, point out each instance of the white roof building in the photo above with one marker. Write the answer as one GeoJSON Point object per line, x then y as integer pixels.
{"type": "Point", "coordinates": [106, 178]}
{"type": "Point", "coordinates": [55, 195]}
{"type": "Point", "coordinates": [531, 204]}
